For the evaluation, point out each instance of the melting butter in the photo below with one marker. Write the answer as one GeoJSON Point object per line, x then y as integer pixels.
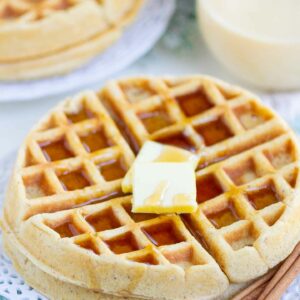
{"type": "Point", "coordinates": [171, 186]}
{"type": "Point", "coordinates": [158, 153]}
{"type": "Point", "coordinates": [157, 197]}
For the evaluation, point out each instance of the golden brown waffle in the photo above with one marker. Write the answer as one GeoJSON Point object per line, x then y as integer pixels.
{"type": "Point", "coordinates": [54, 288]}
{"type": "Point", "coordinates": [77, 141]}
{"type": "Point", "coordinates": [247, 182]}
{"type": "Point", "coordinates": [42, 37]}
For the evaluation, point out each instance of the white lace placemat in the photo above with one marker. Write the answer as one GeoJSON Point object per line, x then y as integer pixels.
{"type": "Point", "coordinates": [137, 39]}
{"type": "Point", "coordinates": [13, 287]}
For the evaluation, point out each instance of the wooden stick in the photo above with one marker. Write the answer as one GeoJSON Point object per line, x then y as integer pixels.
{"type": "Point", "coordinates": [255, 293]}
{"type": "Point", "coordinates": [266, 289]}
{"type": "Point", "coordinates": [284, 283]}
{"type": "Point", "coordinates": [281, 274]}
{"type": "Point", "coordinates": [254, 286]}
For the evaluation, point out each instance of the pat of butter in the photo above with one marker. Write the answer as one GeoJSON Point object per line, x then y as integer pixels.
{"type": "Point", "coordinates": [164, 188]}
{"type": "Point", "coordinates": [156, 152]}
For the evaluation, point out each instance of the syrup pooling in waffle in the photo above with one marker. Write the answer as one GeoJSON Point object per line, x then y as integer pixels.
{"type": "Point", "coordinates": [112, 228]}
{"type": "Point", "coordinates": [79, 148]}
{"type": "Point", "coordinates": [75, 134]}
{"type": "Point", "coordinates": [216, 123]}
{"type": "Point", "coordinates": [198, 116]}
{"type": "Point", "coordinates": [237, 212]}
{"type": "Point", "coordinates": [242, 197]}
{"type": "Point", "coordinates": [246, 181]}
{"type": "Point", "coordinates": [31, 10]}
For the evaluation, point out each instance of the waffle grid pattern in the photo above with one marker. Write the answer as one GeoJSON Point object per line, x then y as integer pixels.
{"type": "Point", "coordinates": [235, 217]}
{"type": "Point", "coordinates": [249, 196]}
{"type": "Point", "coordinates": [196, 115]}
{"type": "Point", "coordinates": [78, 157]}
{"type": "Point", "coordinates": [247, 177]}
{"type": "Point", "coordinates": [112, 228]}
{"type": "Point", "coordinates": [226, 179]}
{"type": "Point", "coordinates": [202, 117]}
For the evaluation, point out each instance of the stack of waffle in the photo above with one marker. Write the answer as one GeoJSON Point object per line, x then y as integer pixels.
{"type": "Point", "coordinates": [70, 231]}
{"type": "Point", "coordinates": [48, 37]}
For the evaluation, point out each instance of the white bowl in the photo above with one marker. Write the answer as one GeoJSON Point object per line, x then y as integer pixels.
{"type": "Point", "coordinates": [258, 40]}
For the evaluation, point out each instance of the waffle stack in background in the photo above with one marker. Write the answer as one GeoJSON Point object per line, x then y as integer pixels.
{"type": "Point", "coordinates": [73, 234]}
{"type": "Point", "coordinates": [43, 38]}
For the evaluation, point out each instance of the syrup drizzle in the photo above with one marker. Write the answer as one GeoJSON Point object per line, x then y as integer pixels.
{"type": "Point", "coordinates": [158, 195]}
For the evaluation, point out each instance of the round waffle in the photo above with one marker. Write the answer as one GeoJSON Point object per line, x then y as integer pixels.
{"type": "Point", "coordinates": [73, 223]}
{"type": "Point", "coordinates": [49, 37]}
